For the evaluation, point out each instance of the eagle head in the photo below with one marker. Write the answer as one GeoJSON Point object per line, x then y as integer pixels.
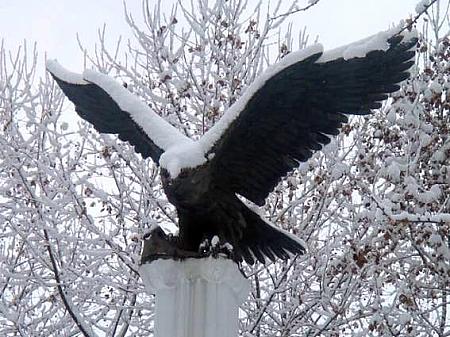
{"type": "Point", "coordinates": [189, 188]}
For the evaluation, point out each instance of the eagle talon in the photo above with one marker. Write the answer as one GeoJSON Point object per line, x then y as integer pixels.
{"type": "Point", "coordinates": [158, 245]}
{"type": "Point", "coordinates": [215, 248]}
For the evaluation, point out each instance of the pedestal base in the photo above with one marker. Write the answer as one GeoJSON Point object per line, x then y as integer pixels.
{"type": "Point", "coordinates": [195, 297]}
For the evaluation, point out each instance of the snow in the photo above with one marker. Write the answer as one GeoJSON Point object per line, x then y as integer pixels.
{"type": "Point", "coordinates": [425, 139]}
{"type": "Point", "coordinates": [339, 169]}
{"type": "Point", "coordinates": [404, 318]}
{"type": "Point", "coordinates": [421, 6]}
{"type": "Point", "coordinates": [436, 87]}
{"type": "Point", "coordinates": [391, 116]}
{"type": "Point", "coordinates": [438, 156]}
{"type": "Point", "coordinates": [161, 132]}
{"type": "Point", "coordinates": [228, 246]}
{"type": "Point", "coordinates": [435, 239]}
{"type": "Point", "coordinates": [433, 194]}
{"type": "Point", "coordinates": [214, 241]}
{"type": "Point", "coordinates": [55, 68]}
{"type": "Point", "coordinates": [428, 94]}
{"type": "Point", "coordinates": [64, 126]}
{"type": "Point", "coordinates": [362, 47]}
{"type": "Point", "coordinates": [377, 42]}
{"type": "Point", "coordinates": [186, 154]}
{"type": "Point", "coordinates": [442, 217]}
{"type": "Point", "coordinates": [394, 171]}
{"type": "Point", "coordinates": [441, 154]}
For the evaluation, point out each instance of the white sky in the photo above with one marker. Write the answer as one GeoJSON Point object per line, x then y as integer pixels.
{"type": "Point", "coordinates": [54, 23]}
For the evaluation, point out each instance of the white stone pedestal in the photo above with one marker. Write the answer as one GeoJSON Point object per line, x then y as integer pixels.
{"type": "Point", "coordinates": [195, 297]}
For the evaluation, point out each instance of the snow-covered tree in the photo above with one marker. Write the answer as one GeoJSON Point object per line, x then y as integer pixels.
{"type": "Point", "coordinates": [373, 207]}
{"type": "Point", "coordinates": [68, 253]}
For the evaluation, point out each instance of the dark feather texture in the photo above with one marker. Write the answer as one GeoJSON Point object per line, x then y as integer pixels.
{"type": "Point", "coordinates": [96, 106]}
{"type": "Point", "coordinates": [289, 117]}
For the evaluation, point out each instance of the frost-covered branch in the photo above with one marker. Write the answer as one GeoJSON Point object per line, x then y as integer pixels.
{"type": "Point", "coordinates": [295, 8]}
{"type": "Point", "coordinates": [421, 9]}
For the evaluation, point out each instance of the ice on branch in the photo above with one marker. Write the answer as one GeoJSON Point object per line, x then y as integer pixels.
{"type": "Point", "coordinates": [422, 6]}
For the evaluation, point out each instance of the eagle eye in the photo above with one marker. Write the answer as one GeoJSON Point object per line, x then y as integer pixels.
{"type": "Point", "coordinates": [183, 174]}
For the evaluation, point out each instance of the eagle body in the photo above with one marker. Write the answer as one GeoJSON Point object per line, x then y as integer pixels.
{"type": "Point", "coordinates": [205, 211]}
{"type": "Point", "coordinates": [286, 115]}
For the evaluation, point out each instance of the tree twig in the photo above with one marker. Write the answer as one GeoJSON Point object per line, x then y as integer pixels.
{"type": "Point", "coordinates": [311, 4]}
{"type": "Point", "coordinates": [414, 20]}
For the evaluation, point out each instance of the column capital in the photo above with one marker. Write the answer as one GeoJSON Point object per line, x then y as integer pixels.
{"type": "Point", "coordinates": [167, 274]}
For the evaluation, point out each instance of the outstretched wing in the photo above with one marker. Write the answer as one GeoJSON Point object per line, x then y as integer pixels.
{"type": "Point", "coordinates": [111, 108]}
{"type": "Point", "coordinates": [298, 105]}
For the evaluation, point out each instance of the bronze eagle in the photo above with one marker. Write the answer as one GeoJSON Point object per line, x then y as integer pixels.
{"type": "Point", "coordinates": [288, 113]}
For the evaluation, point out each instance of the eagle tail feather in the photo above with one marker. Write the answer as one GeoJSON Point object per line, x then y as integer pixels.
{"type": "Point", "coordinates": [265, 241]}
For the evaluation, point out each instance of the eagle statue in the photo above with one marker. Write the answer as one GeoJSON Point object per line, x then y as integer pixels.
{"type": "Point", "coordinates": [287, 114]}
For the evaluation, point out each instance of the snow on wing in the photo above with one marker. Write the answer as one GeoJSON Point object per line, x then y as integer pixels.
{"type": "Point", "coordinates": [110, 108]}
{"type": "Point", "coordinates": [291, 115]}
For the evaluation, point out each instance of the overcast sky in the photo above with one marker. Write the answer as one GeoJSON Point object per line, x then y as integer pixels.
{"type": "Point", "coordinates": [53, 24]}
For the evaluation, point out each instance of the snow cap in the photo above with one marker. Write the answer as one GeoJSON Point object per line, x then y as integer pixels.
{"type": "Point", "coordinates": [67, 76]}
{"type": "Point", "coordinates": [375, 42]}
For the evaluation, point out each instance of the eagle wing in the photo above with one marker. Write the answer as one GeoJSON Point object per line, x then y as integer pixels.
{"type": "Point", "coordinates": [111, 108]}
{"type": "Point", "coordinates": [295, 110]}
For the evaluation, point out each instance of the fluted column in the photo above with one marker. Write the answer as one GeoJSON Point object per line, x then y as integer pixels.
{"type": "Point", "coordinates": [195, 297]}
